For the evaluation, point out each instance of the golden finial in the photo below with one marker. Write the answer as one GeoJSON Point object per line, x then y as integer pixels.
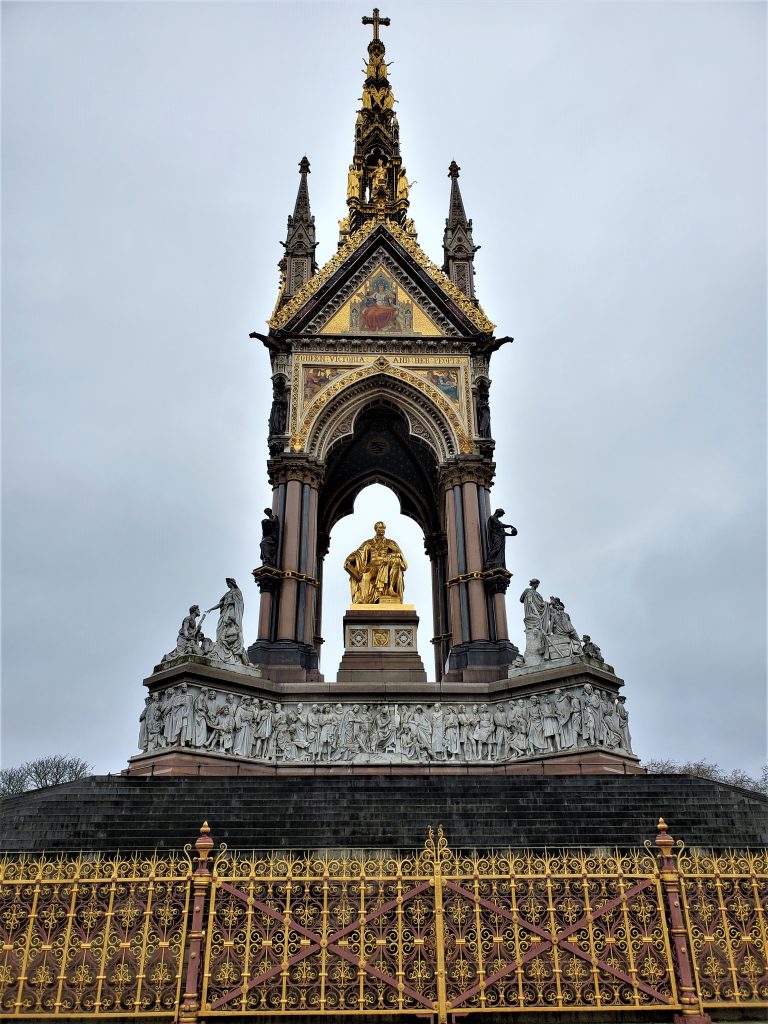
{"type": "Point", "coordinates": [204, 844]}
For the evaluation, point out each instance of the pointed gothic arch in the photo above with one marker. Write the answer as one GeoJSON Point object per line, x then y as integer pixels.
{"type": "Point", "coordinates": [381, 449]}
{"type": "Point", "coordinates": [427, 421]}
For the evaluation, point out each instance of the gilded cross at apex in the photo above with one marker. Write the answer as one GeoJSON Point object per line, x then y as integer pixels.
{"type": "Point", "coordinates": [375, 21]}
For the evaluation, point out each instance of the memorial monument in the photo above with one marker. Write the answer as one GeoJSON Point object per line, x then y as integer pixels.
{"type": "Point", "coordinates": [416, 872]}
{"type": "Point", "coordinates": [381, 372]}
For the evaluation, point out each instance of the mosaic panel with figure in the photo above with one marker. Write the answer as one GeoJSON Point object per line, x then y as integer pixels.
{"type": "Point", "coordinates": [381, 306]}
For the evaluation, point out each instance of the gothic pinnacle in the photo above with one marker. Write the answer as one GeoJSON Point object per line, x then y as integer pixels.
{"type": "Point", "coordinates": [301, 209]}
{"type": "Point", "coordinates": [298, 264]}
{"type": "Point", "coordinates": [458, 247]}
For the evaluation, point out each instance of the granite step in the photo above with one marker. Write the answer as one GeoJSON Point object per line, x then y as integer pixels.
{"type": "Point", "coordinates": [107, 812]}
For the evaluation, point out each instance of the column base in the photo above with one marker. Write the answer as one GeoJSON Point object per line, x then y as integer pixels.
{"type": "Point", "coordinates": [480, 661]}
{"type": "Point", "coordinates": [286, 661]}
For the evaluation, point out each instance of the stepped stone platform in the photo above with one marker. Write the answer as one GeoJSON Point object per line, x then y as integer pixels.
{"type": "Point", "coordinates": [381, 812]}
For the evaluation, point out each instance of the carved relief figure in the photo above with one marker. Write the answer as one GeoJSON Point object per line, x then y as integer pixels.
{"type": "Point", "coordinates": [542, 724]}
{"type": "Point", "coordinates": [201, 718]}
{"type": "Point", "coordinates": [244, 718]}
{"type": "Point", "coordinates": [154, 723]}
{"type": "Point", "coordinates": [143, 733]}
{"type": "Point", "coordinates": [451, 733]}
{"type": "Point", "coordinates": [483, 733]}
{"type": "Point", "coordinates": [623, 722]}
{"type": "Point", "coordinates": [301, 732]}
{"type": "Point", "coordinates": [438, 732]}
{"type": "Point", "coordinates": [550, 724]}
{"type": "Point", "coordinates": [376, 570]}
{"type": "Point", "coordinates": [537, 743]}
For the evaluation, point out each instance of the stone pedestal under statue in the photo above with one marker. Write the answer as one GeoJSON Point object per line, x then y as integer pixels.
{"type": "Point", "coordinates": [380, 644]}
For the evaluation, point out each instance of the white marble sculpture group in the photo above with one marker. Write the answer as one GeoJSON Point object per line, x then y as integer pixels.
{"type": "Point", "coordinates": [228, 648]}
{"type": "Point", "coordinates": [210, 720]}
{"type": "Point", "coordinates": [549, 632]}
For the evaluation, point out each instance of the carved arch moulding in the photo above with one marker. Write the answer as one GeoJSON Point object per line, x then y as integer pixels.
{"type": "Point", "coordinates": [430, 418]}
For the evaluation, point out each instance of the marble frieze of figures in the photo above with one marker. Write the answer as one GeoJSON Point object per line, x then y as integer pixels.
{"type": "Point", "coordinates": [209, 720]}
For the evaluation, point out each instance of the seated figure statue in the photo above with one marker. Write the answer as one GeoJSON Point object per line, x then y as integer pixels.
{"type": "Point", "coordinates": [190, 638]}
{"type": "Point", "coordinates": [376, 570]}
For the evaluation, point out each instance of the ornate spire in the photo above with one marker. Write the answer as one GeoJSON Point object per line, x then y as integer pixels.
{"type": "Point", "coordinates": [298, 264]}
{"type": "Point", "coordinates": [377, 186]}
{"type": "Point", "coordinates": [458, 247]}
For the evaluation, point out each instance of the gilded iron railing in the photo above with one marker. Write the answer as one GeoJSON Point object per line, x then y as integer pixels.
{"type": "Point", "coordinates": [93, 936]}
{"type": "Point", "coordinates": [726, 905]}
{"type": "Point", "coordinates": [428, 933]}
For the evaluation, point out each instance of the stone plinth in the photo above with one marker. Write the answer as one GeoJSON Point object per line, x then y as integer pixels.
{"type": "Point", "coordinates": [380, 644]}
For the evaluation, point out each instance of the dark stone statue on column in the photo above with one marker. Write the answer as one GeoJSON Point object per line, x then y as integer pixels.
{"type": "Point", "coordinates": [497, 538]}
{"type": "Point", "coordinates": [483, 411]}
{"type": "Point", "coordinates": [270, 538]}
{"type": "Point", "coordinates": [278, 415]}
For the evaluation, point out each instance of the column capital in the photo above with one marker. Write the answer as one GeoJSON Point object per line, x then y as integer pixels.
{"type": "Point", "coordinates": [435, 544]}
{"type": "Point", "coordinates": [476, 469]}
{"type": "Point", "coordinates": [289, 466]}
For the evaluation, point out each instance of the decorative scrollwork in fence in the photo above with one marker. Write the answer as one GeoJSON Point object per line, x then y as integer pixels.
{"type": "Point", "coordinates": [430, 933]}
{"type": "Point", "coordinates": [726, 905]}
{"type": "Point", "coordinates": [292, 934]}
{"type": "Point", "coordinates": [93, 936]}
{"type": "Point", "coordinates": [556, 931]}
{"type": "Point", "coordinates": [437, 932]}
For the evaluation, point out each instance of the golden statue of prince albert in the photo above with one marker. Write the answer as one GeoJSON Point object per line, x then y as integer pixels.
{"type": "Point", "coordinates": [376, 570]}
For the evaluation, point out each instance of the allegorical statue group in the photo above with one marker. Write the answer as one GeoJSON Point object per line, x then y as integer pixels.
{"type": "Point", "coordinates": [377, 576]}
{"type": "Point", "coordinates": [228, 647]}
{"type": "Point", "coordinates": [549, 632]}
{"type": "Point", "coordinates": [209, 720]}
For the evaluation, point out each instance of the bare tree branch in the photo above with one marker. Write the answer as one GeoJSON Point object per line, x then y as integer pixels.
{"type": "Point", "coordinates": [43, 771]}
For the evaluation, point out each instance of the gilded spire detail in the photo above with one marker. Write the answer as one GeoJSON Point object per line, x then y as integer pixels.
{"type": "Point", "coordinates": [377, 185]}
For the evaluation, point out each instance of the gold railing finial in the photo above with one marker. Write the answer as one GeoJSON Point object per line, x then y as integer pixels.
{"type": "Point", "coordinates": [439, 852]}
{"type": "Point", "coordinates": [204, 845]}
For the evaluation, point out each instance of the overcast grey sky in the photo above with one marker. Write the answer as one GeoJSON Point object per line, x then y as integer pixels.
{"type": "Point", "coordinates": [613, 162]}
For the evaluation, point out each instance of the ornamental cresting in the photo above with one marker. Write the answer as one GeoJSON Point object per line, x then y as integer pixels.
{"type": "Point", "coordinates": [432, 933]}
